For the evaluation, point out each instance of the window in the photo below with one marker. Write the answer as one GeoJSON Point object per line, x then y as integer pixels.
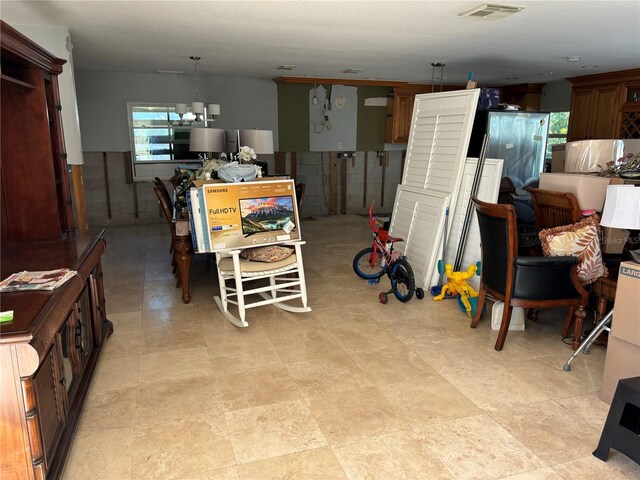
{"type": "Point", "coordinates": [558, 126]}
{"type": "Point", "coordinates": [156, 134]}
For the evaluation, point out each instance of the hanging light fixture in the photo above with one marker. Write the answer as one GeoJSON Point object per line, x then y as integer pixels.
{"type": "Point", "coordinates": [197, 107]}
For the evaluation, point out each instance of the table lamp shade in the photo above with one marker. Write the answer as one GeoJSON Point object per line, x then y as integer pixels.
{"type": "Point", "coordinates": [622, 207]}
{"type": "Point", "coordinates": [260, 140]}
{"type": "Point", "coordinates": [207, 140]}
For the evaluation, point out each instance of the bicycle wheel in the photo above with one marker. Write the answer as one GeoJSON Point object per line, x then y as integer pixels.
{"type": "Point", "coordinates": [403, 280]}
{"type": "Point", "coordinates": [364, 267]}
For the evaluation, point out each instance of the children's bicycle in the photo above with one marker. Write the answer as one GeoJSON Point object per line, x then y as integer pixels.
{"type": "Point", "coordinates": [373, 262]}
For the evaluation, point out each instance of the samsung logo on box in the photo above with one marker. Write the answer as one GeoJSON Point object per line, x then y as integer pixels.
{"type": "Point", "coordinates": [630, 272]}
{"type": "Point", "coordinates": [219, 190]}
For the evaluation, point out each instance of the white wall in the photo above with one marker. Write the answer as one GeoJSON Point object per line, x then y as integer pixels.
{"type": "Point", "coordinates": [56, 40]}
{"type": "Point", "coordinates": [556, 96]}
{"type": "Point", "coordinates": [103, 97]}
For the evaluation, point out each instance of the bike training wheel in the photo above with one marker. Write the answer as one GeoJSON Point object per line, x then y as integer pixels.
{"type": "Point", "coordinates": [362, 264]}
{"type": "Point", "coordinates": [403, 280]}
{"type": "Point", "coordinates": [383, 298]}
{"type": "Point", "coordinates": [419, 293]}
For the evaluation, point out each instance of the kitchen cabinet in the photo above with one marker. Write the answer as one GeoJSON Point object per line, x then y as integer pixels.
{"type": "Point", "coordinates": [527, 96]}
{"type": "Point", "coordinates": [602, 108]}
{"type": "Point", "coordinates": [400, 109]}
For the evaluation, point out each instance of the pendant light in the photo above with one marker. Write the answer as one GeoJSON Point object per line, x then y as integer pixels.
{"type": "Point", "coordinates": [197, 107]}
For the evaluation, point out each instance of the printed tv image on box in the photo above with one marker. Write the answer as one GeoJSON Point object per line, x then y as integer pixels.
{"type": "Point", "coordinates": [267, 214]}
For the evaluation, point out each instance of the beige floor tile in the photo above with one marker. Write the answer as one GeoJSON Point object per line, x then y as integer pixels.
{"type": "Point", "coordinates": [477, 448]}
{"type": "Point", "coordinates": [279, 322]}
{"type": "Point", "coordinates": [227, 473]}
{"type": "Point", "coordinates": [174, 365]}
{"type": "Point", "coordinates": [162, 339]}
{"type": "Point", "coordinates": [327, 375]}
{"type": "Point", "coordinates": [252, 388]}
{"type": "Point", "coordinates": [549, 430]}
{"type": "Point", "coordinates": [317, 464]}
{"type": "Point", "coordinates": [123, 302]}
{"type": "Point", "coordinates": [617, 467]}
{"type": "Point", "coordinates": [116, 373]}
{"type": "Point", "coordinates": [181, 448]}
{"type": "Point", "coordinates": [127, 321]}
{"type": "Point", "coordinates": [495, 388]}
{"type": "Point", "coordinates": [399, 455]}
{"type": "Point", "coordinates": [242, 352]}
{"type": "Point", "coordinates": [122, 343]}
{"type": "Point", "coordinates": [353, 414]}
{"type": "Point", "coordinates": [395, 364]}
{"type": "Point", "coordinates": [111, 409]}
{"type": "Point", "coordinates": [309, 344]}
{"type": "Point", "coordinates": [103, 455]}
{"type": "Point", "coordinates": [364, 336]}
{"type": "Point", "coordinates": [546, 473]}
{"type": "Point", "coordinates": [186, 315]}
{"type": "Point", "coordinates": [433, 400]}
{"type": "Point", "coordinates": [171, 400]}
{"type": "Point", "coordinates": [272, 430]}
{"type": "Point", "coordinates": [588, 407]}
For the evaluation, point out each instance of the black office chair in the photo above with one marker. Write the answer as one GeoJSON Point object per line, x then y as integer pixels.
{"type": "Point", "coordinates": [528, 282]}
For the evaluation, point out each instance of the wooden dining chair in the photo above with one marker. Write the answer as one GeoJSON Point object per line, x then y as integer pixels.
{"type": "Point", "coordinates": [528, 282]}
{"type": "Point", "coordinates": [168, 200]}
{"type": "Point", "coordinates": [554, 209]}
{"type": "Point", "coordinates": [168, 214]}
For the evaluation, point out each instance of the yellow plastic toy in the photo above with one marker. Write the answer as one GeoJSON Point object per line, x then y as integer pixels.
{"type": "Point", "coordinates": [457, 284]}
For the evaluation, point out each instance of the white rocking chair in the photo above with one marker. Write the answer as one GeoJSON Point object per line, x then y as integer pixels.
{"type": "Point", "coordinates": [286, 283]}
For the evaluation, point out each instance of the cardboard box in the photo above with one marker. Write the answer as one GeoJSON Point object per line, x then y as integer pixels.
{"type": "Point", "coordinates": [517, 317]}
{"type": "Point", "coordinates": [623, 361]}
{"type": "Point", "coordinates": [590, 190]}
{"type": "Point", "coordinates": [557, 158]}
{"type": "Point", "coordinates": [626, 316]}
{"type": "Point", "coordinates": [250, 214]}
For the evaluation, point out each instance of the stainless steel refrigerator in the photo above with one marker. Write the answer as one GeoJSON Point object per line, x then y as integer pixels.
{"type": "Point", "coordinates": [519, 138]}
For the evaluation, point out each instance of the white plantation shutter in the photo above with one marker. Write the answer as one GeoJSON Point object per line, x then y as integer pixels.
{"type": "Point", "coordinates": [488, 191]}
{"type": "Point", "coordinates": [436, 154]}
{"type": "Point", "coordinates": [418, 217]}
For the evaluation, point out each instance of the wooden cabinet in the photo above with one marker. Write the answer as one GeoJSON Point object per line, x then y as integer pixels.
{"type": "Point", "coordinates": [35, 203]}
{"type": "Point", "coordinates": [400, 109]}
{"type": "Point", "coordinates": [49, 354]}
{"type": "Point", "coordinates": [601, 106]}
{"type": "Point", "coordinates": [527, 96]}
{"type": "Point", "coordinates": [399, 112]}
{"type": "Point", "coordinates": [50, 349]}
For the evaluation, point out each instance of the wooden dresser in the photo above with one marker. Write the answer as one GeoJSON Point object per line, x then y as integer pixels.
{"type": "Point", "coordinates": [49, 353]}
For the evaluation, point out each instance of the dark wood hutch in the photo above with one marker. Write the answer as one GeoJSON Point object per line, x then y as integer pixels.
{"type": "Point", "coordinates": [49, 351]}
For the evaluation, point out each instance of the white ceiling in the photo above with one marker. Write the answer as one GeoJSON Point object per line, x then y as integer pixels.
{"type": "Point", "coordinates": [390, 40]}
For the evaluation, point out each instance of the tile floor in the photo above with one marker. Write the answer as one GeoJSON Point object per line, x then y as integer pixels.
{"type": "Point", "coordinates": [352, 390]}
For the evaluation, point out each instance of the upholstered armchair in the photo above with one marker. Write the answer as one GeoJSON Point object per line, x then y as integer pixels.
{"type": "Point", "coordinates": [528, 282]}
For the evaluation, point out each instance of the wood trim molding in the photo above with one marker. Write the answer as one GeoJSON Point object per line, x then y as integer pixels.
{"type": "Point", "coordinates": [632, 75]}
{"type": "Point", "coordinates": [79, 196]}
{"type": "Point", "coordinates": [21, 48]}
{"type": "Point", "coordinates": [340, 81]}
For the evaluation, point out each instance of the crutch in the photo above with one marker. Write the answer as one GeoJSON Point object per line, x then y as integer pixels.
{"type": "Point", "coordinates": [586, 343]}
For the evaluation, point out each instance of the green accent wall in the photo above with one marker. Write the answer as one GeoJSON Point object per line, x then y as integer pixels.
{"type": "Point", "coordinates": [371, 120]}
{"type": "Point", "coordinates": [293, 117]}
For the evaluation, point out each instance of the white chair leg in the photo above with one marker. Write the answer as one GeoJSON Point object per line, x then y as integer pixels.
{"type": "Point", "coordinates": [222, 285]}
{"type": "Point", "coordinates": [272, 282]}
{"type": "Point", "coordinates": [303, 284]}
{"type": "Point", "coordinates": [237, 275]}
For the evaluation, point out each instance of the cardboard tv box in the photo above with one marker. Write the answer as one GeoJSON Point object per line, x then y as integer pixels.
{"type": "Point", "coordinates": [250, 214]}
{"type": "Point", "coordinates": [590, 190]}
{"type": "Point", "coordinates": [623, 347]}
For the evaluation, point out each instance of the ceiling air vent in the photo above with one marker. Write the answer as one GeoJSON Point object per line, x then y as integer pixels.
{"type": "Point", "coordinates": [490, 11]}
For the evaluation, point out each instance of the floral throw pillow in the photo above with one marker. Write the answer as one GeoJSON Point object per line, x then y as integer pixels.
{"type": "Point", "coordinates": [270, 253]}
{"type": "Point", "coordinates": [581, 240]}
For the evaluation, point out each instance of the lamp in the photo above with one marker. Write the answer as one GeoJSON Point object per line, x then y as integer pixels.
{"type": "Point", "coordinates": [197, 107]}
{"type": "Point", "coordinates": [206, 140]}
{"type": "Point", "coordinates": [622, 210]}
{"type": "Point", "coordinates": [260, 140]}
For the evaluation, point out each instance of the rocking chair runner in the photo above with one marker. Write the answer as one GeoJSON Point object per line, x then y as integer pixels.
{"type": "Point", "coordinates": [286, 283]}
